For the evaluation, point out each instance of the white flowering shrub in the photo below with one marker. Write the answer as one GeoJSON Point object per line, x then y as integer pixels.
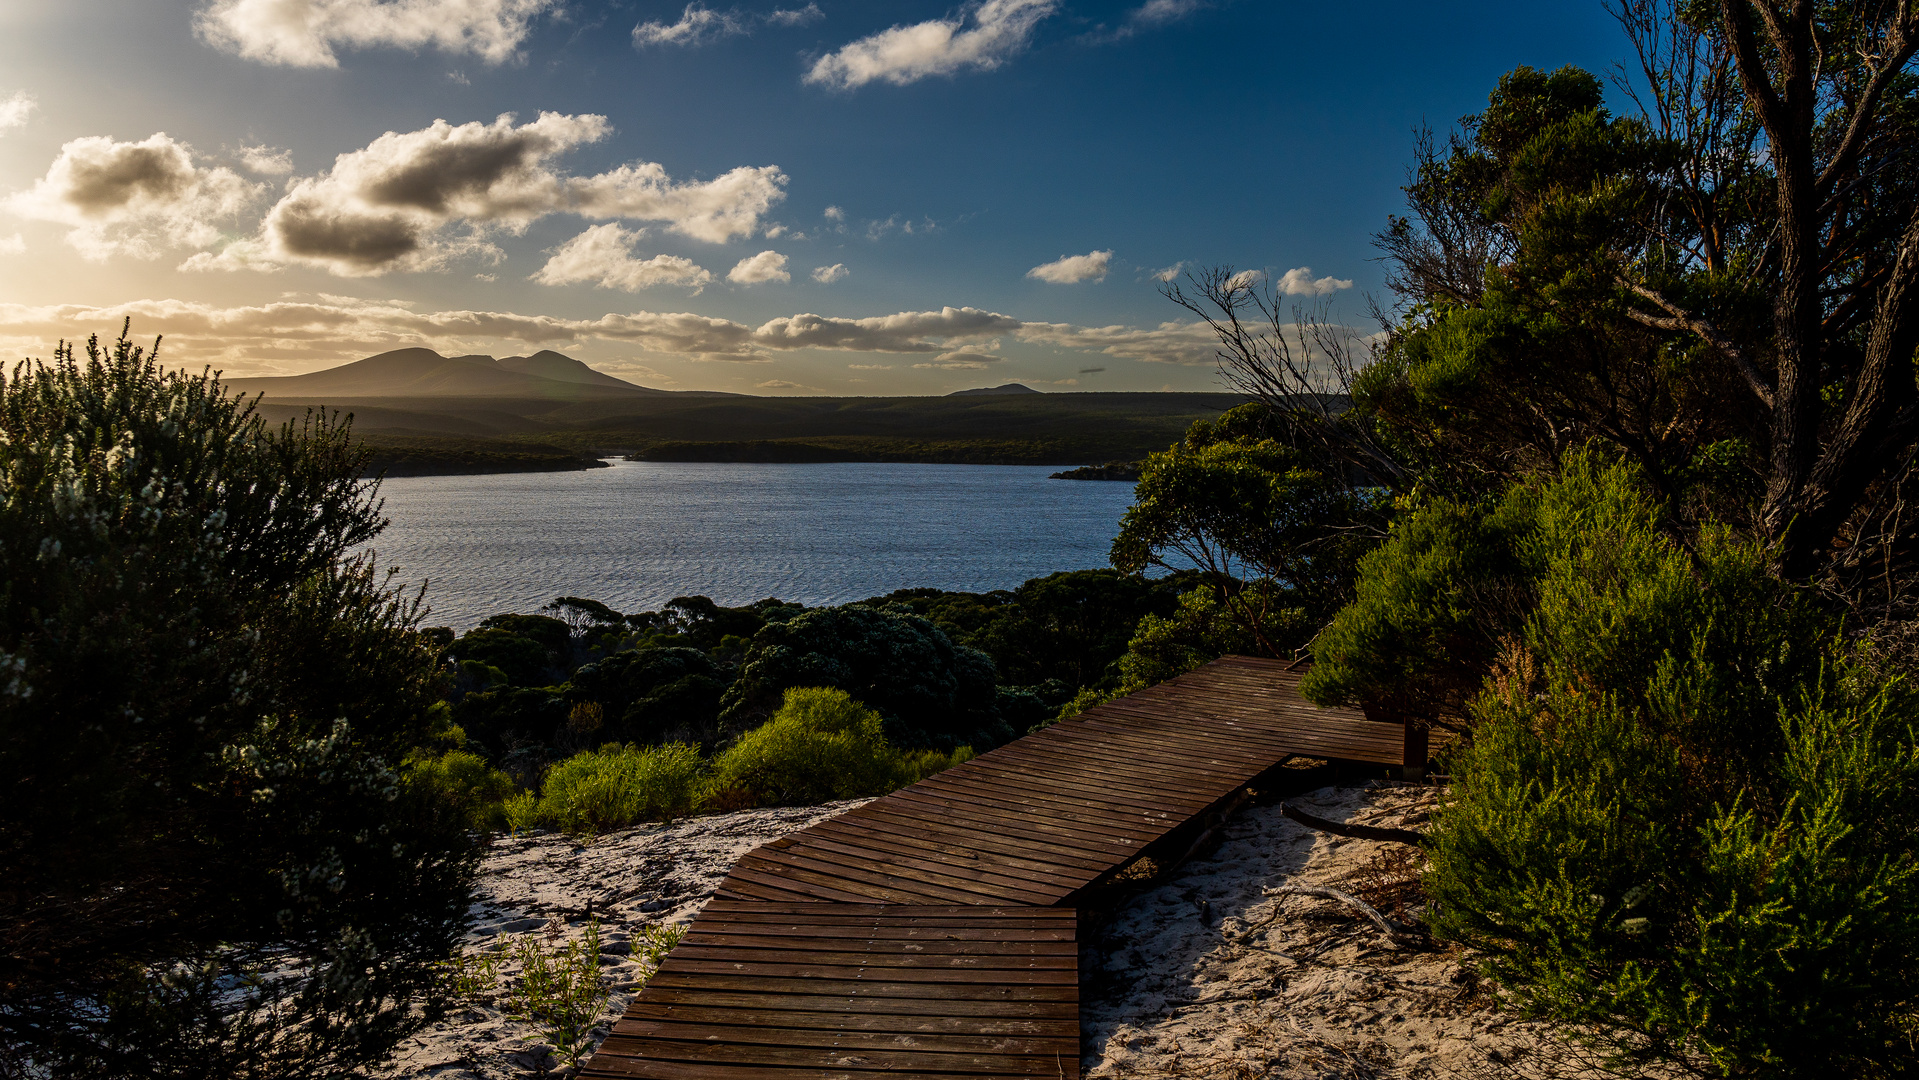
{"type": "Point", "coordinates": [208, 864]}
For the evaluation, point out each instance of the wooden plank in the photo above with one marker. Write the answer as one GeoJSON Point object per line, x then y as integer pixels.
{"type": "Point", "coordinates": [866, 844]}
{"type": "Point", "coordinates": [884, 1023]}
{"type": "Point", "coordinates": [682, 1028]}
{"type": "Point", "coordinates": [891, 990]}
{"type": "Point", "coordinates": [889, 1061]}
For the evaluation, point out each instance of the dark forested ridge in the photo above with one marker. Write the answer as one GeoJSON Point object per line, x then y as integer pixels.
{"type": "Point", "coordinates": [1024, 429]}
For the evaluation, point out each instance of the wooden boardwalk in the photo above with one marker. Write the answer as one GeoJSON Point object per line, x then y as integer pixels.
{"type": "Point", "coordinates": [931, 933]}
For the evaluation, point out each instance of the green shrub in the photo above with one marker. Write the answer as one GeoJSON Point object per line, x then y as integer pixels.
{"type": "Point", "coordinates": [1684, 820]}
{"type": "Point", "coordinates": [521, 812]}
{"type": "Point", "coordinates": [466, 783]}
{"type": "Point", "coordinates": [821, 745]}
{"type": "Point", "coordinates": [616, 786]}
{"type": "Point", "coordinates": [211, 867]}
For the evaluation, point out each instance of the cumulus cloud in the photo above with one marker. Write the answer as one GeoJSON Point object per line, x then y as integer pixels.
{"type": "Point", "coordinates": [267, 160]}
{"type": "Point", "coordinates": [603, 255]}
{"type": "Point", "coordinates": [133, 198]}
{"type": "Point", "coordinates": [1168, 273]}
{"type": "Point", "coordinates": [15, 110]}
{"type": "Point", "coordinates": [767, 266]}
{"type": "Point", "coordinates": [394, 205]}
{"type": "Point", "coordinates": [783, 384]}
{"type": "Point", "coordinates": [1300, 281]}
{"type": "Point", "coordinates": [384, 207]}
{"type": "Point", "coordinates": [981, 39]}
{"type": "Point", "coordinates": [717, 210]}
{"type": "Point", "coordinates": [1071, 269]}
{"type": "Point", "coordinates": [698, 25]}
{"type": "Point", "coordinates": [304, 33]}
{"type": "Point", "coordinates": [834, 213]}
{"type": "Point", "coordinates": [827, 275]}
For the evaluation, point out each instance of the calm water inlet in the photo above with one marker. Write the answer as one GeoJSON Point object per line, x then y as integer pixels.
{"type": "Point", "coordinates": [640, 533]}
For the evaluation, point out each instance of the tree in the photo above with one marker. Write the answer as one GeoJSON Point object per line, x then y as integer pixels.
{"type": "Point", "coordinates": [1240, 504]}
{"type": "Point", "coordinates": [1740, 259]}
{"type": "Point", "coordinates": [210, 866]}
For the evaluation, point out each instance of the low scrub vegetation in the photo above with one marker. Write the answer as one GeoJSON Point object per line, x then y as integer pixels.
{"type": "Point", "coordinates": [820, 746]}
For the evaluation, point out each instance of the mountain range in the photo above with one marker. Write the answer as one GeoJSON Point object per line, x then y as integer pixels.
{"type": "Point", "coordinates": [423, 373]}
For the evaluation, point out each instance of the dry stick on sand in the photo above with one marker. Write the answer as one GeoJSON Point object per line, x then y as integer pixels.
{"type": "Point", "coordinates": [1397, 933]}
{"type": "Point", "coordinates": [1355, 832]}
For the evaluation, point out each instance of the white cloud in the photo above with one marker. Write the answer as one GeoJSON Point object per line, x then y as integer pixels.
{"type": "Point", "coordinates": [982, 39]}
{"type": "Point", "coordinates": [13, 245]}
{"type": "Point", "coordinates": [267, 160]}
{"type": "Point", "coordinates": [811, 13]}
{"type": "Point", "coordinates": [1163, 11]}
{"type": "Point", "coordinates": [1245, 279]}
{"type": "Point", "coordinates": [827, 275]}
{"type": "Point", "coordinates": [1071, 269]}
{"type": "Point", "coordinates": [15, 110]}
{"type": "Point", "coordinates": [303, 33]}
{"type": "Point", "coordinates": [1192, 343]}
{"type": "Point", "coordinates": [729, 205]}
{"type": "Point", "coordinates": [834, 213]}
{"type": "Point", "coordinates": [1168, 273]}
{"type": "Point", "coordinates": [133, 199]}
{"type": "Point", "coordinates": [871, 367]}
{"type": "Point", "coordinates": [767, 266]}
{"type": "Point", "coordinates": [385, 207]}
{"type": "Point", "coordinates": [961, 360]}
{"type": "Point", "coordinates": [603, 255]}
{"type": "Point", "coordinates": [698, 25]}
{"type": "Point", "coordinates": [1299, 281]}
{"type": "Point", "coordinates": [784, 384]}
{"type": "Point", "coordinates": [906, 332]}
{"type": "Point", "coordinates": [394, 205]}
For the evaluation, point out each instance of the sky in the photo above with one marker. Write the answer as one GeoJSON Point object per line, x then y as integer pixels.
{"type": "Point", "coordinates": [774, 197]}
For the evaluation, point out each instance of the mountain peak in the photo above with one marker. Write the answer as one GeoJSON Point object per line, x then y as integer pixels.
{"type": "Point", "coordinates": [1003, 388]}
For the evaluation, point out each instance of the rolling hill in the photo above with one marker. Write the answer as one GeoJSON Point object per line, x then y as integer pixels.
{"type": "Point", "coordinates": [423, 413]}
{"type": "Point", "coordinates": [423, 373]}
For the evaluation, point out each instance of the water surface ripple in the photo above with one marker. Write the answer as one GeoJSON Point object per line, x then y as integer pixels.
{"type": "Point", "coordinates": [640, 533]}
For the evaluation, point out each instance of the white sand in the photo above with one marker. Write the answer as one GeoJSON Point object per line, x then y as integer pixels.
{"type": "Point", "coordinates": [1204, 976]}
{"type": "Point", "coordinates": [1198, 975]}
{"type": "Point", "coordinates": [653, 875]}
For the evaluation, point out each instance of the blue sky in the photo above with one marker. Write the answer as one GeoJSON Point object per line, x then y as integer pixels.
{"type": "Point", "coordinates": [264, 182]}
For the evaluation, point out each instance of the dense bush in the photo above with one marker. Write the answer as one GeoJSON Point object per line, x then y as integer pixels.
{"type": "Point", "coordinates": [205, 700]}
{"type": "Point", "coordinates": [464, 782]}
{"type": "Point", "coordinates": [616, 786]}
{"type": "Point", "coordinates": [655, 694]}
{"type": "Point", "coordinates": [932, 693]}
{"type": "Point", "coordinates": [1683, 820]}
{"type": "Point", "coordinates": [820, 745]}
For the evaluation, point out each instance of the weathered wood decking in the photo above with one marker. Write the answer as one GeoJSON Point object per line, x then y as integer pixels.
{"type": "Point", "coordinates": [930, 933]}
